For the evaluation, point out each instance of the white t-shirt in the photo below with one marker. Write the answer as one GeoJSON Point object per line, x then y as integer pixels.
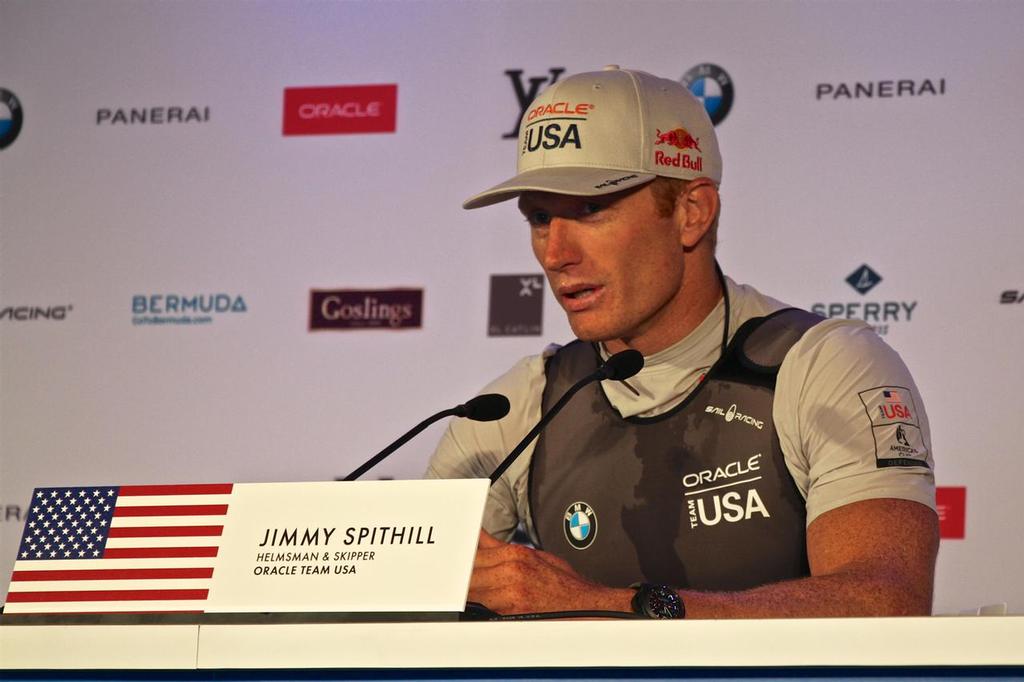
{"type": "Point", "coordinates": [849, 418]}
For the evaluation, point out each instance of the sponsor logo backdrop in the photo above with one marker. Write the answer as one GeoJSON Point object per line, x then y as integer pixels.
{"type": "Point", "coordinates": [239, 204]}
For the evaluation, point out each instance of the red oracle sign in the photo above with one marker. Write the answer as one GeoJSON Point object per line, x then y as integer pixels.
{"type": "Point", "coordinates": [951, 503]}
{"type": "Point", "coordinates": [340, 109]}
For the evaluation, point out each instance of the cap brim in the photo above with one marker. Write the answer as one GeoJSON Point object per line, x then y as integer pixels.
{"type": "Point", "coordinates": [576, 181]}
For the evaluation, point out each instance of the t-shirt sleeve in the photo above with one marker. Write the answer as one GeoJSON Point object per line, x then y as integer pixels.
{"type": "Point", "coordinates": [851, 421]}
{"type": "Point", "coordinates": [471, 449]}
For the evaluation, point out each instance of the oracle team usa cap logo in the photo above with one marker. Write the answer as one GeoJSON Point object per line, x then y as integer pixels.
{"type": "Point", "coordinates": [10, 118]}
{"type": "Point", "coordinates": [580, 525]}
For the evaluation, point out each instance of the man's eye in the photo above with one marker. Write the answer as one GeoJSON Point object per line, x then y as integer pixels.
{"type": "Point", "coordinates": [591, 208]}
{"type": "Point", "coordinates": [538, 217]}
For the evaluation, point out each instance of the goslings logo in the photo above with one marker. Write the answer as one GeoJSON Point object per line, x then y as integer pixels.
{"type": "Point", "coordinates": [11, 116]}
{"type": "Point", "coordinates": [880, 89]}
{"type": "Point", "coordinates": [31, 313]}
{"type": "Point", "coordinates": [711, 85]}
{"type": "Point", "coordinates": [517, 305]}
{"type": "Point", "coordinates": [881, 315]}
{"type": "Point", "coordinates": [152, 115]}
{"type": "Point", "coordinates": [580, 525]}
{"type": "Point", "coordinates": [340, 110]}
{"type": "Point", "coordinates": [526, 94]}
{"type": "Point", "coordinates": [362, 309]}
{"type": "Point", "coordinates": [176, 309]}
{"type": "Point", "coordinates": [680, 138]}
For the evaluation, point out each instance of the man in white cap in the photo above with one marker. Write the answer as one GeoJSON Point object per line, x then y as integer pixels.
{"type": "Point", "coordinates": [765, 462]}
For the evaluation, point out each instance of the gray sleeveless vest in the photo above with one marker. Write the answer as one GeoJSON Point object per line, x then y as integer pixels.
{"type": "Point", "coordinates": [699, 497]}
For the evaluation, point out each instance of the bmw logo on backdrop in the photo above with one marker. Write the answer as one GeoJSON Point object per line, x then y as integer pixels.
{"type": "Point", "coordinates": [10, 118]}
{"type": "Point", "coordinates": [711, 85]}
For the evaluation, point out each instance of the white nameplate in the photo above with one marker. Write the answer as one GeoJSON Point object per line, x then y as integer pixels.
{"type": "Point", "coordinates": [373, 546]}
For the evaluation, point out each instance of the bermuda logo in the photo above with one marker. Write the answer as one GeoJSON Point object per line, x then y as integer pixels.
{"type": "Point", "coordinates": [580, 525]}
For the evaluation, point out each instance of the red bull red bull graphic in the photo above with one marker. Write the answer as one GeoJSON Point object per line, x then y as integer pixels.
{"type": "Point", "coordinates": [680, 138]}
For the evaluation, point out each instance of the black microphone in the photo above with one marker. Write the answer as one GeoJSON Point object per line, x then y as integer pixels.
{"type": "Point", "coordinates": [618, 367]}
{"type": "Point", "coordinates": [488, 407]}
{"type": "Point", "coordinates": [483, 408]}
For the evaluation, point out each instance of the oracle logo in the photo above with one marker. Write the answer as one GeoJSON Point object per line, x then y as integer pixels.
{"type": "Point", "coordinates": [335, 110]}
{"type": "Point", "coordinates": [340, 110]}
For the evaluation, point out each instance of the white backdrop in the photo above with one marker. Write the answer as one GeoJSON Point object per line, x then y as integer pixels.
{"type": "Point", "coordinates": [921, 188]}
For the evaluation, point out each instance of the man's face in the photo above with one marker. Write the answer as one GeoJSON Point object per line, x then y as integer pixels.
{"type": "Point", "coordinates": [614, 264]}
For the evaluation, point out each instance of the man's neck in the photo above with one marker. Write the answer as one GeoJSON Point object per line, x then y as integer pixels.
{"type": "Point", "coordinates": [700, 293]}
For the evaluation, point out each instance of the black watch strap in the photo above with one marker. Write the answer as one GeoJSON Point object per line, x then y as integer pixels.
{"type": "Point", "coordinates": [658, 601]}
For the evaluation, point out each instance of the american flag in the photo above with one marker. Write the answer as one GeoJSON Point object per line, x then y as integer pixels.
{"type": "Point", "coordinates": [891, 396]}
{"type": "Point", "coordinates": [106, 549]}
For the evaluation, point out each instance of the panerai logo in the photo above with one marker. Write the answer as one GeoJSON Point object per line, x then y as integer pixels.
{"type": "Point", "coordinates": [152, 115]}
{"type": "Point", "coordinates": [359, 309]}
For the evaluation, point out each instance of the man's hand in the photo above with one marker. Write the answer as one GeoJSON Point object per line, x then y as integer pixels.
{"type": "Point", "coordinates": [515, 579]}
{"type": "Point", "coordinates": [870, 558]}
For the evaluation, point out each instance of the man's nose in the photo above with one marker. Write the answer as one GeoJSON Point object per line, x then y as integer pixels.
{"type": "Point", "coordinates": [561, 248]}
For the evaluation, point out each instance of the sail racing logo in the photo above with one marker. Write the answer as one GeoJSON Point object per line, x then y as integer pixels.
{"type": "Point", "coordinates": [881, 315]}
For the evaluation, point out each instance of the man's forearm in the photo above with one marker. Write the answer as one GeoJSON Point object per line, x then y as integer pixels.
{"type": "Point", "coordinates": [839, 595]}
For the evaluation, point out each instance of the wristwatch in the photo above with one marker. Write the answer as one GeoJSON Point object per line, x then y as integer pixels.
{"type": "Point", "coordinates": [658, 601]}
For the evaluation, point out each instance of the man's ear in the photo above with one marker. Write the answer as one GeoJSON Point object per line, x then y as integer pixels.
{"type": "Point", "coordinates": [696, 211]}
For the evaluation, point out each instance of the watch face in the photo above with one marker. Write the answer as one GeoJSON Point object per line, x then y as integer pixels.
{"type": "Point", "coordinates": [662, 602]}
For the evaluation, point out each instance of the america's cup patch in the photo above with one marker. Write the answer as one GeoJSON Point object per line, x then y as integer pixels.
{"type": "Point", "coordinates": [895, 426]}
{"type": "Point", "coordinates": [580, 525]}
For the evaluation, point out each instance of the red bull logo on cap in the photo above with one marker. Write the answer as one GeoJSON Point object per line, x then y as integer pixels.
{"type": "Point", "coordinates": [680, 138]}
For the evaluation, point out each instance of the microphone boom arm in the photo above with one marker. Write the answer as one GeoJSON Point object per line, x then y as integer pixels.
{"type": "Point", "coordinates": [409, 435]}
{"type": "Point", "coordinates": [535, 431]}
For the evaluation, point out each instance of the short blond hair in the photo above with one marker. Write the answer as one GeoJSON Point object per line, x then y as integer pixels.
{"type": "Point", "coordinates": [666, 193]}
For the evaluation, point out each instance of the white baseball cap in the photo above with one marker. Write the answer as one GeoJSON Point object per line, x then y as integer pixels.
{"type": "Point", "coordinates": [605, 131]}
